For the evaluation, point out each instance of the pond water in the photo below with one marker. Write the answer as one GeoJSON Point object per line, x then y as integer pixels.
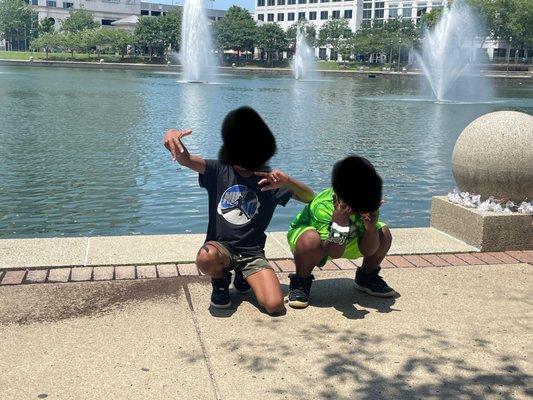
{"type": "Point", "coordinates": [81, 150]}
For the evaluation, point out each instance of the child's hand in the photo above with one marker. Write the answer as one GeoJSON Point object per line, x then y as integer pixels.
{"type": "Point", "coordinates": [370, 219]}
{"type": "Point", "coordinates": [274, 179]}
{"type": "Point", "coordinates": [342, 212]}
{"type": "Point", "coordinates": [172, 142]}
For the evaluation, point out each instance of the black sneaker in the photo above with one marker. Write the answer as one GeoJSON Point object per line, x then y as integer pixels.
{"type": "Point", "coordinates": [299, 290]}
{"type": "Point", "coordinates": [372, 283]}
{"type": "Point", "coordinates": [220, 297]}
{"type": "Point", "coordinates": [239, 282]}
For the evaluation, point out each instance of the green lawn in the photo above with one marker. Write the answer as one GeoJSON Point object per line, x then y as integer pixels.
{"type": "Point", "coordinates": [321, 65]}
{"type": "Point", "coordinates": [25, 55]}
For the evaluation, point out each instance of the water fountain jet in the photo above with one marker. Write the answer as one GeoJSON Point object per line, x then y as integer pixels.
{"type": "Point", "coordinates": [304, 57]}
{"type": "Point", "coordinates": [448, 53]}
{"type": "Point", "coordinates": [196, 53]}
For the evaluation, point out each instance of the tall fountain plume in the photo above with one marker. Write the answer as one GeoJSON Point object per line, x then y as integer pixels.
{"type": "Point", "coordinates": [304, 57]}
{"type": "Point", "coordinates": [448, 53]}
{"type": "Point", "coordinates": [196, 53]}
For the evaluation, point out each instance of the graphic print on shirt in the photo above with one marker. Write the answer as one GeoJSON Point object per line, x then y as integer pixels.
{"type": "Point", "coordinates": [238, 205]}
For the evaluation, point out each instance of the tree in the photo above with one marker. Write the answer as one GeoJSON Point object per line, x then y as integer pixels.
{"type": "Point", "coordinates": [46, 25]}
{"type": "Point", "coordinates": [48, 41]}
{"type": "Point", "coordinates": [305, 25]}
{"type": "Point", "coordinates": [431, 18]}
{"type": "Point", "coordinates": [367, 41]}
{"type": "Point", "coordinates": [18, 23]}
{"type": "Point", "coordinates": [271, 39]}
{"type": "Point", "coordinates": [117, 40]}
{"type": "Point", "coordinates": [334, 32]}
{"type": "Point", "coordinates": [171, 29]}
{"type": "Point", "coordinates": [521, 24]}
{"type": "Point", "coordinates": [78, 20]}
{"type": "Point", "coordinates": [149, 33]}
{"type": "Point", "coordinates": [236, 31]}
{"type": "Point", "coordinates": [507, 20]}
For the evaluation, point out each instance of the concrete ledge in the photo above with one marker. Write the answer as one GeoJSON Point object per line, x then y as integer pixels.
{"type": "Point", "coordinates": [164, 249]}
{"type": "Point", "coordinates": [487, 231]}
{"type": "Point", "coordinates": [54, 252]}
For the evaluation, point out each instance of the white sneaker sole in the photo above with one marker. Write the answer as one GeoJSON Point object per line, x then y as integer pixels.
{"type": "Point", "coordinates": [296, 304]}
{"type": "Point", "coordinates": [376, 294]}
{"type": "Point", "coordinates": [221, 306]}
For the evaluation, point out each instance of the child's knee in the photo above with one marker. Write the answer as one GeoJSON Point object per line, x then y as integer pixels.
{"type": "Point", "coordinates": [209, 257]}
{"type": "Point", "coordinates": [274, 305]}
{"type": "Point", "coordinates": [385, 238]}
{"type": "Point", "coordinates": [309, 240]}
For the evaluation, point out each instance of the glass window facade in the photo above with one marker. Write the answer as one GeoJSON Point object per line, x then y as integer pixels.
{"type": "Point", "coordinates": [407, 10]}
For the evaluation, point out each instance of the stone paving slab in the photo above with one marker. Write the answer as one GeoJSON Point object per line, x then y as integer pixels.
{"type": "Point", "coordinates": [103, 273]}
{"type": "Point", "coordinates": [59, 275]}
{"type": "Point", "coordinates": [104, 340]}
{"type": "Point", "coordinates": [53, 252]}
{"type": "Point", "coordinates": [442, 339]}
{"type": "Point", "coordinates": [165, 249]}
{"type": "Point", "coordinates": [81, 274]}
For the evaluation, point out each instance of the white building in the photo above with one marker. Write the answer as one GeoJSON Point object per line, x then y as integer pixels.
{"type": "Point", "coordinates": [107, 11]}
{"type": "Point", "coordinates": [358, 12]}
{"type": "Point", "coordinates": [104, 11]}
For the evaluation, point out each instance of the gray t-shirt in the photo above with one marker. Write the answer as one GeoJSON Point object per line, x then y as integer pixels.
{"type": "Point", "coordinates": [239, 212]}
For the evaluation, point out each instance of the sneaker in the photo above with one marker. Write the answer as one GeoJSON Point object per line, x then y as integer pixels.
{"type": "Point", "coordinates": [373, 283]}
{"type": "Point", "coordinates": [299, 290]}
{"type": "Point", "coordinates": [240, 283]}
{"type": "Point", "coordinates": [220, 297]}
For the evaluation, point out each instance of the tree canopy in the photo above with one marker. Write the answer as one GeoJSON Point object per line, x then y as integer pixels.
{"type": "Point", "coordinates": [18, 22]}
{"type": "Point", "coordinates": [334, 32]}
{"type": "Point", "coordinates": [271, 39]}
{"type": "Point", "coordinates": [77, 21]}
{"type": "Point", "coordinates": [236, 30]}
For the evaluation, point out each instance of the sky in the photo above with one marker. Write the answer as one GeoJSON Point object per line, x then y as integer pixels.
{"type": "Point", "coordinates": [218, 4]}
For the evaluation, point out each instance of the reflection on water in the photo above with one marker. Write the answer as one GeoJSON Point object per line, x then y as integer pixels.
{"type": "Point", "coordinates": [81, 150]}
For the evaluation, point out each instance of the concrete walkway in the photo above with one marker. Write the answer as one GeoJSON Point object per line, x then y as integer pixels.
{"type": "Point", "coordinates": [158, 249]}
{"type": "Point", "coordinates": [456, 332]}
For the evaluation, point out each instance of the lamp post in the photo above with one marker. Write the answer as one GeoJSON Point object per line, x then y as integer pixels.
{"type": "Point", "coordinates": [399, 53]}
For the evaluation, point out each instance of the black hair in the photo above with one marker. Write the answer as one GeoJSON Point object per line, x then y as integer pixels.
{"type": "Point", "coordinates": [356, 182]}
{"type": "Point", "coordinates": [246, 140]}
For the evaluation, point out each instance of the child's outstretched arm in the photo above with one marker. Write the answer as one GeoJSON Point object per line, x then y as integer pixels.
{"type": "Point", "coordinates": [172, 141]}
{"type": "Point", "coordinates": [276, 179]}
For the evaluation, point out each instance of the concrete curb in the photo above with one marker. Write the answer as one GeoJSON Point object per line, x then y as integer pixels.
{"type": "Point", "coordinates": [166, 249]}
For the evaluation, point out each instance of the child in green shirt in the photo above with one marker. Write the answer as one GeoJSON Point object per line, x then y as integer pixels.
{"type": "Point", "coordinates": [341, 222]}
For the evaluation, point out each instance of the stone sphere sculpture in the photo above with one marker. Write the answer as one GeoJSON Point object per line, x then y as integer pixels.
{"type": "Point", "coordinates": [493, 156]}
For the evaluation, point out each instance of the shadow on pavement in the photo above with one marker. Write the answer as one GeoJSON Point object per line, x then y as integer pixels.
{"type": "Point", "coordinates": [337, 293]}
{"type": "Point", "coordinates": [426, 365]}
